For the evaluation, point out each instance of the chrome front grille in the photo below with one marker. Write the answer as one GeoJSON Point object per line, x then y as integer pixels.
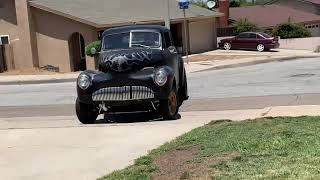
{"type": "Point", "coordinates": [123, 93]}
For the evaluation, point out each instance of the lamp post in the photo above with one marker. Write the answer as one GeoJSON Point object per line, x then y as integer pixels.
{"type": "Point", "coordinates": [184, 4]}
{"type": "Point", "coordinates": [167, 13]}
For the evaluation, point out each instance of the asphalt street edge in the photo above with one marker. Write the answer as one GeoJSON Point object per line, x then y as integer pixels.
{"type": "Point", "coordinates": [281, 59]}
{"type": "Point", "coordinates": [235, 65]}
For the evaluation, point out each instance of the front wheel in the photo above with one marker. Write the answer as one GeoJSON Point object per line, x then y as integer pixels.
{"type": "Point", "coordinates": [85, 113]}
{"type": "Point", "coordinates": [169, 108]}
{"type": "Point", "coordinates": [227, 46]}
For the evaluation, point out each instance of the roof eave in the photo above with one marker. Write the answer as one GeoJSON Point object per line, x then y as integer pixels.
{"type": "Point", "coordinates": [156, 21]}
{"type": "Point", "coordinates": [115, 24]}
{"type": "Point", "coordinates": [44, 8]}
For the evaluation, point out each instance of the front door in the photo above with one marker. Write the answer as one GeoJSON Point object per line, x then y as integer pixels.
{"type": "Point", "coordinates": [240, 41]}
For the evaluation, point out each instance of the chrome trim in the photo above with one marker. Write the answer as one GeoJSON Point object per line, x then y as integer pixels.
{"type": "Point", "coordinates": [123, 93]}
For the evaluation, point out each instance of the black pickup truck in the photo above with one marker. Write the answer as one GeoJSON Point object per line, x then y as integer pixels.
{"type": "Point", "coordinates": [139, 70]}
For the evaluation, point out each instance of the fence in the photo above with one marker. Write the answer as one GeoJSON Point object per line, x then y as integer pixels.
{"type": "Point", "coordinates": [2, 60]}
{"type": "Point", "coordinates": [311, 43]}
{"type": "Point", "coordinates": [6, 58]}
{"type": "Point", "coordinates": [222, 32]}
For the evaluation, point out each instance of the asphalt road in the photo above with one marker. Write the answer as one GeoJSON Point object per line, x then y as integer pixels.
{"type": "Point", "coordinates": [278, 83]}
{"type": "Point", "coordinates": [42, 139]}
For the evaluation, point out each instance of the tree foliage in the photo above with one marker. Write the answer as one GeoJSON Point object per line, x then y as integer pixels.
{"type": "Point", "coordinates": [244, 26]}
{"type": "Point", "coordinates": [96, 45]}
{"type": "Point", "coordinates": [234, 3]}
{"type": "Point", "coordinates": [290, 30]}
{"type": "Point", "coordinates": [199, 3]}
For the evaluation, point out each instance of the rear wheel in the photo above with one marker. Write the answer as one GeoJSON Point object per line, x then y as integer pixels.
{"type": "Point", "coordinates": [260, 47]}
{"type": "Point", "coordinates": [169, 108]}
{"type": "Point", "coordinates": [85, 113]}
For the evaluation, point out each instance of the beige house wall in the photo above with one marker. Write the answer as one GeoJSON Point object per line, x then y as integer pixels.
{"type": "Point", "coordinates": [14, 21]}
{"type": "Point", "coordinates": [53, 33]}
{"type": "Point", "coordinates": [202, 34]}
{"type": "Point", "coordinates": [39, 38]}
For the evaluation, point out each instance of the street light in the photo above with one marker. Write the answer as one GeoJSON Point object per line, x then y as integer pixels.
{"type": "Point", "coordinates": [184, 4]}
{"type": "Point", "coordinates": [167, 13]}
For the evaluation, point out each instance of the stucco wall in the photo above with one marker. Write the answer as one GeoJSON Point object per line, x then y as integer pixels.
{"type": "Point", "coordinates": [53, 33]}
{"type": "Point", "coordinates": [8, 22]}
{"type": "Point", "coordinates": [300, 43]}
{"type": "Point", "coordinates": [14, 21]}
{"type": "Point", "coordinates": [202, 35]}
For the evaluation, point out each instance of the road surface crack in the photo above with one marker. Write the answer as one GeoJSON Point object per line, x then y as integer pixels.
{"type": "Point", "coordinates": [267, 112]}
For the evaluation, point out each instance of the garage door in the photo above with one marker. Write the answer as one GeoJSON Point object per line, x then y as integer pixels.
{"type": "Point", "coordinates": [202, 36]}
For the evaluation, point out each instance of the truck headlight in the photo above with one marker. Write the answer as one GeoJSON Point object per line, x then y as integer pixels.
{"type": "Point", "coordinates": [84, 81]}
{"type": "Point", "coordinates": [160, 77]}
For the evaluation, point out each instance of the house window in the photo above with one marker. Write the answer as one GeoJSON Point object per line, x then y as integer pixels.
{"type": "Point", "coordinates": [313, 26]}
{"type": "Point", "coordinates": [4, 39]}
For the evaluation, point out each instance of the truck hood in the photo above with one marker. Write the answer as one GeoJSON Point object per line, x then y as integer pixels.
{"type": "Point", "coordinates": [129, 59]}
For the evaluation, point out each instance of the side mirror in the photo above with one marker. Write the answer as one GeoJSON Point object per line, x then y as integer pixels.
{"type": "Point", "coordinates": [172, 49]}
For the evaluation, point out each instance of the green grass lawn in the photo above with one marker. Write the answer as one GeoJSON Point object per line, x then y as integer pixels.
{"type": "Point", "coordinates": [269, 148]}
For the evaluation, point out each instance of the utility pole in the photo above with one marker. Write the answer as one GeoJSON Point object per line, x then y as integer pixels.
{"type": "Point", "coordinates": [166, 13]}
{"type": "Point", "coordinates": [185, 22]}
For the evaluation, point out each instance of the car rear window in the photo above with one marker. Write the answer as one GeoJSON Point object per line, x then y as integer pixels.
{"type": "Point", "coordinates": [265, 35]}
{"type": "Point", "coordinates": [252, 36]}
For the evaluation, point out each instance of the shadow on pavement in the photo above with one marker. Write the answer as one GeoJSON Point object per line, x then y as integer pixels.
{"type": "Point", "coordinates": [132, 117]}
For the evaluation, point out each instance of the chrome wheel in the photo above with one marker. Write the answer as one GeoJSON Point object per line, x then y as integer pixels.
{"type": "Point", "coordinates": [227, 46]}
{"type": "Point", "coordinates": [169, 108]}
{"type": "Point", "coordinates": [173, 103]}
{"type": "Point", "coordinates": [260, 47]}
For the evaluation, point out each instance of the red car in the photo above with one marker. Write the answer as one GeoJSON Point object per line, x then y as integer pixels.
{"type": "Point", "coordinates": [250, 40]}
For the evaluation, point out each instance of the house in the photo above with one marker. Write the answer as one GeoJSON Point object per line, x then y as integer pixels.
{"type": "Point", "coordinates": [55, 32]}
{"type": "Point", "coordinates": [311, 6]}
{"type": "Point", "coordinates": [270, 16]}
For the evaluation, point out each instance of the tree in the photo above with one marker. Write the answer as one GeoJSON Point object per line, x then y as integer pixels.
{"type": "Point", "coordinates": [96, 45]}
{"type": "Point", "coordinates": [234, 3]}
{"type": "Point", "coordinates": [244, 26]}
{"type": "Point", "coordinates": [199, 3]}
{"type": "Point", "coordinates": [290, 30]}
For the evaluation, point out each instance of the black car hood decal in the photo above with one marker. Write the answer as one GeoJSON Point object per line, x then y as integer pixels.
{"type": "Point", "coordinates": [129, 59]}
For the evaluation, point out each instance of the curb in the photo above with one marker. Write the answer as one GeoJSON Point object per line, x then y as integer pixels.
{"type": "Point", "coordinates": [47, 81]}
{"type": "Point", "coordinates": [256, 62]}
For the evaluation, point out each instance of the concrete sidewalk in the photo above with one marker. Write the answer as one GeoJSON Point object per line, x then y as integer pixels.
{"type": "Point", "coordinates": [61, 148]}
{"type": "Point", "coordinates": [257, 58]}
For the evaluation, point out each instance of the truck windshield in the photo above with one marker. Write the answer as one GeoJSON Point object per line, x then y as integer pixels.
{"type": "Point", "coordinates": [138, 39]}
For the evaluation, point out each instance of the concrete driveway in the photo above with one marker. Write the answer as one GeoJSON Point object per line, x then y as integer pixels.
{"type": "Point", "coordinates": [61, 148]}
{"type": "Point", "coordinates": [56, 148]}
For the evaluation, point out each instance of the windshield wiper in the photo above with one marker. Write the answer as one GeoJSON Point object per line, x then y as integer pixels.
{"type": "Point", "coordinates": [141, 45]}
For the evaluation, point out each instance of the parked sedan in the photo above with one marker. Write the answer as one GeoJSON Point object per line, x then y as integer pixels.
{"type": "Point", "coordinates": [250, 40]}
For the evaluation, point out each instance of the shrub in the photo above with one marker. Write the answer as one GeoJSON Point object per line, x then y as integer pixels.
{"type": "Point", "coordinates": [290, 30]}
{"type": "Point", "coordinates": [244, 26]}
{"type": "Point", "coordinates": [96, 45]}
{"type": "Point", "coordinates": [234, 3]}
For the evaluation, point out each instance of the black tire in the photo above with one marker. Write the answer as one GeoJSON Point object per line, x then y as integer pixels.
{"type": "Point", "coordinates": [85, 113]}
{"type": "Point", "coordinates": [183, 91]}
{"type": "Point", "coordinates": [169, 108]}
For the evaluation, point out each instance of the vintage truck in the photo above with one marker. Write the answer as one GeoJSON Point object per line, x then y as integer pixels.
{"type": "Point", "coordinates": [139, 70]}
